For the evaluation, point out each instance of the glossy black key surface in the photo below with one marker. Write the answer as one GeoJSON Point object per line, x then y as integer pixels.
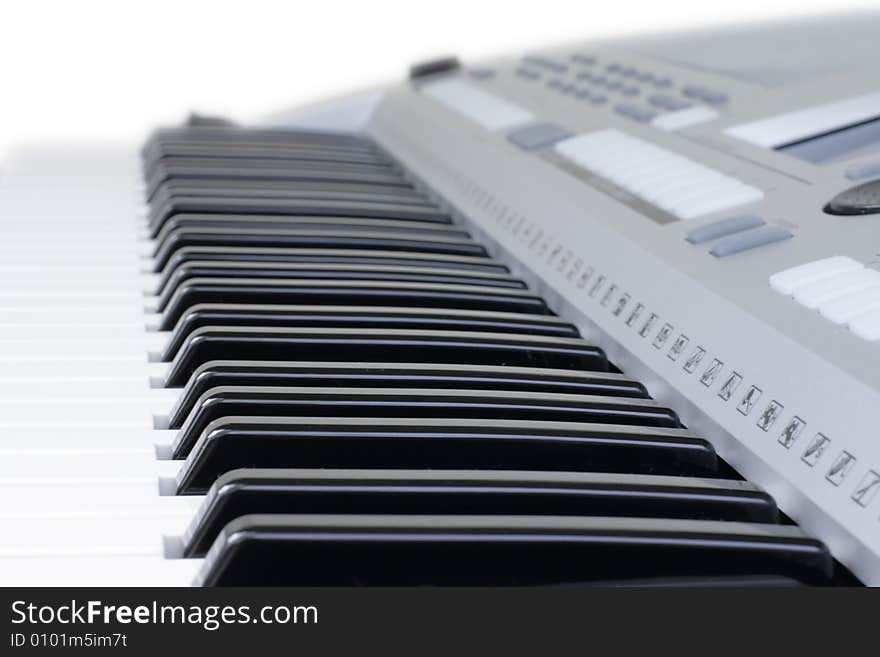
{"type": "Point", "coordinates": [302, 272]}
{"type": "Point", "coordinates": [171, 189]}
{"type": "Point", "coordinates": [398, 375]}
{"type": "Point", "coordinates": [381, 345]}
{"type": "Point", "coordinates": [418, 229]}
{"type": "Point", "coordinates": [338, 256]}
{"type": "Point", "coordinates": [397, 550]}
{"type": "Point", "coordinates": [167, 153]}
{"type": "Point", "coordinates": [257, 208]}
{"type": "Point", "coordinates": [288, 291]}
{"type": "Point", "coordinates": [242, 401]}
{"type": "Point", "coordinates": [255, 315]}
{"type": "Point", "coordinates": [470, 492]}
{"type": "Point", "coordinates": [291, 174]}
{"type": "Point", "coordinates": [314, 238]}
{"type": "Point", "coordinates": [440, 444]}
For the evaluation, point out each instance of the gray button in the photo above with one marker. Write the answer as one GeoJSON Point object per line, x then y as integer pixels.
{"type": "Point", "coordinates": [723, 228]}
{"type": "Point", "coordinates": [482, 73]}
{"type": "Point", "coordinates": [586, 60]}
{"type": "Point", "coordinates": [707, 95]}
{"type": "Point", "coordinates": [614, 85]}
{"type": "Point", "coordinates": [662, 82]}
{"type": "Point", "coordinates": [862, 171]}
{"type": "Point", "coordinates": [538, 135]}
{"type": "Point", "coordinates": [630, 91]}
{"type": "Point", "coordinates": [635, 112]}
{"type": "Point", "coordinates": [528, 73]}
{"type": "Point", "coordinates": [751, 239]}
{"type": "Point", "coordinates": [599, 99]}
{"type": "Point", "coordinates": [667, 102]}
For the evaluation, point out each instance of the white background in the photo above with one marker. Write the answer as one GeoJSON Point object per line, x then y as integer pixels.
{"type": "Point", "coordinates": [89, 69]}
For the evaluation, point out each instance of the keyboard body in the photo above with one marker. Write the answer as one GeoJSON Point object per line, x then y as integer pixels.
{"type": "Point", "coordinates": [524, 153]}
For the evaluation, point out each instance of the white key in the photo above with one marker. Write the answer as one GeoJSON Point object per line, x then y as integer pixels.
{"type": "Point", "coordinates": [788, 280]}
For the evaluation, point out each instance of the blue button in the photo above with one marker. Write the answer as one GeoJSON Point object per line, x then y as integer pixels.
{"type": "Point", "coordinates": [630, 91]}
{"type": "Point", "coordinates": [862, 171]}
{"type": "Point", "coordinates": [538, 135]}
{"type": "Point", "coordinates": [599, 99]}
{"type": "Point", "coordinates": [723, 228]}
{"type": "Point", "coordinates": [662, 82]}
{"type": "Point", "coordinates": [748, 240]}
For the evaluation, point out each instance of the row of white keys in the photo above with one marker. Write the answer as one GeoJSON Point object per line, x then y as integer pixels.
{"type": "Point", "coordinates": [81, 464]}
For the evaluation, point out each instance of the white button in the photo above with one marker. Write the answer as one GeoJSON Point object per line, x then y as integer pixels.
{"type": "Point", "coordinates": [786, 281]}
{"type": "Point", "coordinates": [845, 308]}
{"type": "Point", "coordinates": [684, 118]}
{"type": "Point", "coordinates": [670, 181]}
{"type": "Point", "coordinates": [815, 294]}
{"type": "Point", "coordinates": [488, 110]}
{"type": "Point", "coordinates": [866, 325]}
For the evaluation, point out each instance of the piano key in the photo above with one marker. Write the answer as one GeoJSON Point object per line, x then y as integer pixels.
{"type": "Point", "coordinates": [269, 189]}
{"type": "Point", "coordinates": [291, 291]}
{"type": "Point", "coordinates": [440, 444]}
{"type": "Point", "coordinates": [327, 550]}
{"type": "Point", "coordinates": [275, 238]}
{"type": "Point", "coordinates": [472, 492]}
{"type": "Point", "coordinates": [381, 345]}
{"type": "Point", "coordinates": [302, 272]}
{"type": "Point", "coordinates": [254, 135]}
{"type": "Point", "coordinates": [238, 401]}
{"type": "Point", "coordinates": [403, 375]}
{"type": "Point", "coordinates": [169, 153]}
{"type": "Point", "coordinates": [292, 207]}
{"type": "Point", "coordinates": [340, 223]}
{"type": "Point", "coordinates": [255, 315]}
{"type": "Point", "coordinates": [324, 255]}
{"type": "Point", "coordinates": [290, 174]}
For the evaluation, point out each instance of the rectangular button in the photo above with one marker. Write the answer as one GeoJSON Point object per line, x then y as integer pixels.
{"type": "Point", "coordinates": [486, 109]}
{"type": "Point", "coordinates": [750, 240]}
{"type": "Point", "coordinates": [538, 135]}
{"type": "Point", "coordinates": [866, 325]}
{"type": "Point", "coordinates": [723, 228]}
{"type": "Point", "coordinates": [788, 280]}
{"type": "Point", "coordinates": [827, 289]}
{"type": "Point", "coordinates": [684, 118]}
{"type": "Point", "coordinates": [842, 309]}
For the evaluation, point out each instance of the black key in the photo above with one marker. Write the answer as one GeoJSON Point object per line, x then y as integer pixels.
{"type": "Point", "coordinates": [164, 153]}
{"type": "Point", "coordinates": [291, 174]}
{"type": "Point", "coordinates": [381, 345]}
{"type": "Point", "coordinates": [417, 229]}
{"type": "Point", "coordinates": [340, 256]}
{"type": "Point", "coordinates": [347, 293]}
{"type": "Point", "coordinates": [259, 136]}
{"type": "Point", "coordinates": [234, 401]}
{"type": "Point", "coordinates": [397, 375]}
{"type": "Point", "coordinates": [268, 189]}
{"type": "Point", "coordinates": [313, 317]}
{"type": "Point", "coordinates": [302, 272]}
{"type": "Point", "coordinates": [440, 444]}
{"type": "Point", "coordinates": [396, 550]}
{"type": "Point", "coordinates": [281, 211]}
{"type": "Point", "coordinates": [471, 492]}
{"type": "Point", "coordinates": [314, 238]}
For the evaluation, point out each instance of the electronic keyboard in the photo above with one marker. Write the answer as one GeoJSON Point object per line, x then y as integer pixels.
{"type": "Point", "coordinates": [607, 313]}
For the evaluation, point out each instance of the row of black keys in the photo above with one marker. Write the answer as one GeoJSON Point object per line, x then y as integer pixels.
{"type": "Point", "coordinates": [325, 315]}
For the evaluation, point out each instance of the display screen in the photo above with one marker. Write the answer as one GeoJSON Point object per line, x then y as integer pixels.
{"type": "Point", "coordinates": [844, 143]}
